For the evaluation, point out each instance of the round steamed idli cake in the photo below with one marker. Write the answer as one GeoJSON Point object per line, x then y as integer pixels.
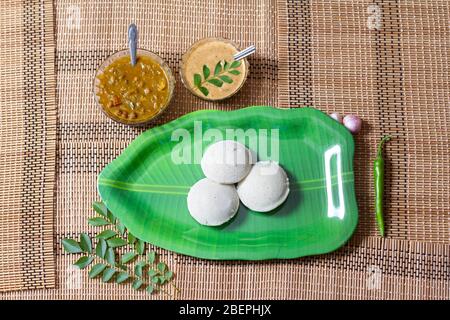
{"type": "Point", "coordinates": [265, 187]}
{"type": "Point", "coordinates": [227, 162]}
{"type": "Point", "coordinates": [212, 203]}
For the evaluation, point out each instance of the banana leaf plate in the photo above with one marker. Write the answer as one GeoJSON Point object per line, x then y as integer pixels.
{"type": "Point", "coordinates": [147, 185]}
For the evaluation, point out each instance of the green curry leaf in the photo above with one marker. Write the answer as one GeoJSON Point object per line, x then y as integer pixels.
{"type": "Point", "coordinates": [137, 284]}
{"type": "Point", "coordinates": [106, 234]}
{"type": "Point", "coordinates": [71, 246]}
{"type": "Point", "coordinates": [85, 242]}
{"type": "Point", "coordinates": [110, 256]}
{"type": "Point", "coordinates": [204, 91]}
{"type": "Point", "coordinates": [108, 274]}
{"type": "Point", "coordinates": [206, 71]}
{"type": "Point", "coordinates": [100, 208]}
{"type": "Point", "coordinates": [140, 247]}
{"type": "Point", "coordinates": [122, 276]}
{"type": "Point", "coordinates": [116, 242]}
{"type": "Point", "coordinates": [218, 68]}
{"type": "Point", "coordinates": [197, 80]}
{"type": "Point", "coordinates": [226, 79]}
{"type": "Point", "coordinates": [127, 257]}
{"type": "Point", "coordinates": [216, 82]}
{"type": "Point", "coordinates": [83, 262]}
{"type": "Point", "coordinates": [100, 249]}
{"type": "Point", "coordinates": [235, 64]}
{"type": "Point", "coordinates": [121, 227]}
{"type": "Point", "coordinates": [96, 270]}
{"type": "Point", "coordinates": [98, 222]}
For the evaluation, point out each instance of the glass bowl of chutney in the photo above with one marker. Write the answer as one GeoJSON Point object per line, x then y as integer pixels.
{"type": "Point", "coordinates": [208, 69]}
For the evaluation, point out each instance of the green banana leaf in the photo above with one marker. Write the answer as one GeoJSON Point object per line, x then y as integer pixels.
{"type": "Point", "coordinates": [147, 185]}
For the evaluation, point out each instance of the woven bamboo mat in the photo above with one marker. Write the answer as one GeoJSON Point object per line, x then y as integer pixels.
{"type": "Point", "coordinates": [386, 61]}
{"type": "Point", "coordinates": [27, 145]}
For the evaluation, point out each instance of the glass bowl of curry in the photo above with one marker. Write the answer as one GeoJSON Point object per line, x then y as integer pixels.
{"type": "Point", "coordinates": [133, 95]}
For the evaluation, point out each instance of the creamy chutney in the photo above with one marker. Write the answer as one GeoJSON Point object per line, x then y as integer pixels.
{"type": "Point", "coordinates": [209, 71]}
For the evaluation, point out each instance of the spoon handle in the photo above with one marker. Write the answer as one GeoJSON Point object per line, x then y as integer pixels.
{"type": "Point", "coordinates": [244, 53]}
{"type": "Point", "coordinates": [132, 42]}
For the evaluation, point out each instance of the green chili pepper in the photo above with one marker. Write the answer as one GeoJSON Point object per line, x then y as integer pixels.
{"type": "Point", "coordinates": [378, 172]}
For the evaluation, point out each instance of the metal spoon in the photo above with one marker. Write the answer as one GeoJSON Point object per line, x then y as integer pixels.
{"type": "Point", "coordinates": [244, 53]}
{"type": "Point", "coordinates": [132, 42]}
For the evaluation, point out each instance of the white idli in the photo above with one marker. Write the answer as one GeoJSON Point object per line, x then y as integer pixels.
{"type": "Point", "coordinates": [227, 162]}
{"type": "Point", "coordinates": [211, 203]}
{"type": "Point", "coordinates": [265, 187]}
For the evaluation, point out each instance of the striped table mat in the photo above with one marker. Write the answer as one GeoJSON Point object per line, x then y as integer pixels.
{"type": "Point", "coordinates": [27, 145]}
{"type": "Point", "coordinates": [387, 61]}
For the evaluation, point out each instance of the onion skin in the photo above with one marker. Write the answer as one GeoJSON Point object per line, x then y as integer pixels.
{"type": "Point", "coordinates": [353, 123]}
{"type": "Point", "coordinates": [336, 116]}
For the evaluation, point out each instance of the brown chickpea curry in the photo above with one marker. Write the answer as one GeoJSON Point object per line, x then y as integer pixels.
{"type": "Point", "coordinates": [133, 94]}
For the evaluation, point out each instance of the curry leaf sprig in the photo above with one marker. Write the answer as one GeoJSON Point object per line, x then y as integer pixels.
{"type": "Point", "coordinates": [222, 72]}
{"type": "Point", "coordinates": [118, 255]}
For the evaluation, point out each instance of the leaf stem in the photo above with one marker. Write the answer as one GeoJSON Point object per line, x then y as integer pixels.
{"type": "Point", "coordinates": [175, 287]}
{"type": "Point", "coordinates": [165, 292]}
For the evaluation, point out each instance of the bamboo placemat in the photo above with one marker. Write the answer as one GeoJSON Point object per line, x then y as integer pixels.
{"type": "Point", "coordinates": [27, 145]}
{"type": "Point", "coordinates": [385, 61]}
